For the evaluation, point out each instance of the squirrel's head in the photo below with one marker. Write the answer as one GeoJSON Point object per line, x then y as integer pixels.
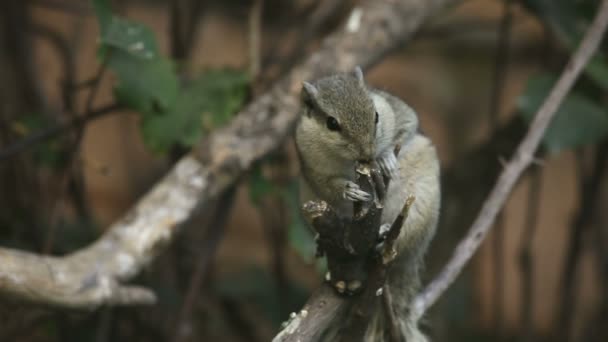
{"type": "Point", "coordinates": [343, 113]}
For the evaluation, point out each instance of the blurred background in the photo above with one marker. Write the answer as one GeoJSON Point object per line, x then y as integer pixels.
{"type": "Point", "coordinates": [86, 129]}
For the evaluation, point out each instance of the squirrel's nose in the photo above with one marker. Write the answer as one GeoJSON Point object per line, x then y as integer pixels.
{"type": "Point", "coordinates": [367, 153]}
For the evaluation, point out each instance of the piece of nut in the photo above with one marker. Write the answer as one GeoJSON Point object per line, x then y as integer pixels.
{"type": "Point", "coordinates": [340, 286]}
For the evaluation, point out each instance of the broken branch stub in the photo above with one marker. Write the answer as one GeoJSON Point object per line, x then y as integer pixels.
{"type": "Point", "coordinates": [350, 243]}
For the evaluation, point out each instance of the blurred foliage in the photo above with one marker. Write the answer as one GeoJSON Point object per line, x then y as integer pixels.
{"type": "Point", "coordinates": [579, 121]}
{"type": "Point", "coordinates": [172, 113]}
{"type": "Point", "coordinates": [203, 104]}
{"type": "Point", "coordinates": [299, 235]}
{"type": "Point", "coordinates": [259, 288]}
{"type": "Point", "coordinates": [48, 154]}
{"type": "Point", "coordinates": [582, 118]}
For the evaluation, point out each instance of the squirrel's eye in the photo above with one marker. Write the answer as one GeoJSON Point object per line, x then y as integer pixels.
{"type": "Point", "coordinates": [332, 124]}
{"type": "Point", "coordinates": [376, 118]}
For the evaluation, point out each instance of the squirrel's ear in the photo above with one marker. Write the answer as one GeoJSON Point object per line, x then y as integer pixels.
{"type": "Point", "coordinates": [309, 93]}
{"type": "Point", "coordinates": [359, 75]}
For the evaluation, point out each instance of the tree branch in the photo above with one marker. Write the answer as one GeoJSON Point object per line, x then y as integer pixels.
{"type": "Point", "coordinates": [51, 132]}
{"type": "Point", "coordinates": [521, 160]}
{"type": "Point", "coordinates": [91, 277]}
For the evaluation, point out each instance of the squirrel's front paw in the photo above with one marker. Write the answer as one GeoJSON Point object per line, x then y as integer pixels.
{"type": "Point", "coordinates": [388, 164]}
{"type": "Point", "coordinates": [354, 193]}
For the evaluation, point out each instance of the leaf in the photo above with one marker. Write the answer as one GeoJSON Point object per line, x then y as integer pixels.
{"type": "Point", "coordinates": [215, 94]}
{"type": "Point", "coordinates": [146, 80]}
{"type": "Point", "coordinates": [220, 92]}
{"type": "Point", "coordinates": [125, 35]}
{"type": "Point", "coordinates": [144, 85]}
{"type": "Point", "coordinates": [563, 16]}
{"type": "Point", "coordinates": [597, 70]}
{"type": "Point", "coordinates": [103, 13]}
{"type": "Point", "coordinates": [579, 120]}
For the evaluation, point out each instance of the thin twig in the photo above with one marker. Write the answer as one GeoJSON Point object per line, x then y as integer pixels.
{"type": "Point", "coordinates": [255, 38]}
{"type": "Point", "coordinates": [322, 12]}
{"type": "Point", "coordinates": [273, 212]}
{"type": "Point", "coordinates": [525, 255]}
{"type": "Point", "coordinates": [520, 161]}
{"type": "Point", "coordinates": [71, 7]}
{"type": "Point", "coordinates": [195, 11]}
{"type": "Point", "coordinates": [590, 195]}
{"type": "Point", "coordinates": [69, 168]}
{"type": "Point", "coordinates": [39, 137]}
{"type": "Point", "coordinates": [176, 24]}
{"type": "Point", "coordinates": [501, 62]}
{"type": "Point", "coordinates": [211, 241]}
{"type": "Point", "coordinates": [65, 51]}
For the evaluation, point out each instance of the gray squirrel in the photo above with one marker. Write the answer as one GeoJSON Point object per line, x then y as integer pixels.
{"type": "Point", "coordinates": [343, 121]}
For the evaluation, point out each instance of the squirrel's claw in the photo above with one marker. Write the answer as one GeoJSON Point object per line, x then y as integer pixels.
{"type": "Point", "coordinates": [354, 193]}
{"type": "Point", "coordinates": [389, 165]}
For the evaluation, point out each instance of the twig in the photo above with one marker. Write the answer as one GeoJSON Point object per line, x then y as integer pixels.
{"type": "Point", "coordinates": [183, 23]}
{"type": "Point", "coordinates": [525, 255]}
{"type": "Point", "coordinates": [600, 240]}
{"type": "Point", "coordinates": [255, 38]}
{"type": "Point", "coordinates": [273, 214]}
{"type": "Point", "coordinates": [71, 7]}
{"type": "Point", "coordinates": [324, 11]}
{"type": "Point", "coordinates": [65, 51]}
{"type": "Point", "coordinates": [71, 157]}
{"type": "Point", "coordinates": [195, 10]}
{"type": "Point", "coordinates": [239, 323]}
{"type": "Point", "coordinates": [211, 241]}
{"type": "Point", "coordinates": [39, 137]}
{"type": "Point", "coordinates": [501, 62]}
{"type": "Point", "coordinates": [589, 200]}
{"type": "Point", "coordinates": [178, 48]}
{"type": "Point", "coordinates": [521, 160]}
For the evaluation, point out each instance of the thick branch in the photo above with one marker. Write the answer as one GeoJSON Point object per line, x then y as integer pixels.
{"type": "Point", "coordinates": [513, 170]}
{"type": "Point", "coordinates": [90, 277]}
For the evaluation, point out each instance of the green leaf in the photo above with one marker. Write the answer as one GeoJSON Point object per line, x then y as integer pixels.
{"type": "Point", "coordinates": [597, 70]}
{"type": "Point", "coordinates": [214, 94]}
{"type": "Point", "coordinates": [147, 83]}
{"type": "Point", "coordinates": [565, 17]}
{"type": "Point", "coordinates": [103, 13]}
{"type": "Point", "coordinates": [144, 85]}
{"type": "Point", "coordinates": [579, 120]}
{"type": "Point", "coordinates": [125, 35]}
{"type": "Point", "coordinates": [146, 80]}
{"type": "Point", "coordinates": [220, 93]}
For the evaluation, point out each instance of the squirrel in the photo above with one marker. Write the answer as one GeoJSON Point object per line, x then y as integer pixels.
{"type": "Point", "coordinates": [343, 121]}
